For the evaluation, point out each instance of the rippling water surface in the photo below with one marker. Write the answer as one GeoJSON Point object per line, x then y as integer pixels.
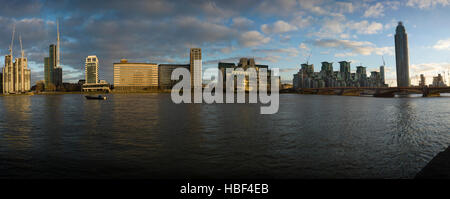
{"type": "Point", "coordinates": [147, 136]}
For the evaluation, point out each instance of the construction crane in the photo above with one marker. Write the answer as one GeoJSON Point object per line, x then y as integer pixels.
{"type": "Point", "coordinates": [57, 44]}
{"type": "Point", "coordinates": [21, 49]}
{"type": "Point", "coordinates": [309, 56]}
{"type": "Point", "coordinates": [12, 41]}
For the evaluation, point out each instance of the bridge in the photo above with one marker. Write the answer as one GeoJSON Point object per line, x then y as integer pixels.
{"type": "Point", "coordinates": [376, 91]}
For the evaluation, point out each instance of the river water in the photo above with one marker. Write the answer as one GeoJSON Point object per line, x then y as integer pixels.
{"type": "Point", "coordinates": [147, 136]}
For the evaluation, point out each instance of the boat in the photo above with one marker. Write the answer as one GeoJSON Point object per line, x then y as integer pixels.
{"type": "Point", "coordinates": [96, 97]}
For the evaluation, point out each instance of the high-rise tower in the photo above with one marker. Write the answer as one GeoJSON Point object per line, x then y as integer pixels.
{"type": "Point", "coordinates": [16, 75]}
{"type": "Point", "coordinates": [196, 67]}
{"type": "Point", "coordinates": [401, 56]}
{"type": "Point", "coordinates": [52, 68]}
{"type": "Point", "coordinates": [91, 69]}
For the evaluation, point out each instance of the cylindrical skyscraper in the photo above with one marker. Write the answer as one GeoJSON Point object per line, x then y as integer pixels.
{"type": "Point", "coordinates": [401, 56]}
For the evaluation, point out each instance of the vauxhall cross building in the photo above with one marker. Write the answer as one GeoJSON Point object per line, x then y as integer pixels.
{"type": "Point", "coordinates": [401, 56]}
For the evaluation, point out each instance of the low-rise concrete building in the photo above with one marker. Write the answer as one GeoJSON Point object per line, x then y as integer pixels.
{"type": "Point", "coordinates": [165, 74]}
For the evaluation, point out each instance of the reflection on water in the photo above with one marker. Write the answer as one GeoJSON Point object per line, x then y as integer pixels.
{"type": "Point", "coordinates": [147, 136]}
{"type": "Point", "coordinates": [17, 116]}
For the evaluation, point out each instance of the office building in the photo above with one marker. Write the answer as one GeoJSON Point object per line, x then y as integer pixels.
{"type": "Point", "coordinates": [345, 70]}
{"type": "Point", "coordinates": [135, 76]}
{"type": "Point", "coordinates": [438, 81]}
{"type": "Point", "coordinates": [196, 67]}
{"type": "Point", "coordinates": [52, 69]}
{"type": "Point", "coordinates": [422, 82]}
{"type": "Point", "coordinates": [245, 63]}
{"type": "Point", "coordinates": [52, 73]}
{"type": "Point", "coordinates": [91, 69]}
{"type": "Point", "coordinates": [307, 78]}
{"type": "Point", "coordinates": [401, 56]}
{"type": "Point", "coordinates": [165, 74]}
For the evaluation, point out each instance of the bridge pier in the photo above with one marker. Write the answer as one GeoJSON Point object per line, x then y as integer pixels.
{"type": "Point", "coordinates": [431, 95]}
{"type": "Point", "coordinates": [378, 93]}
{"type": "Point", "coordinates": [388, 94]}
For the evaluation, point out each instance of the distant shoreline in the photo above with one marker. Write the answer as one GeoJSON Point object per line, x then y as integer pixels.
{"type": "Point", "coordinates": [156, 91]}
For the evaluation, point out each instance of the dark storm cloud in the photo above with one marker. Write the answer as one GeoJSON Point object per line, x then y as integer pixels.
{"type": "Point", "coordinates": [20, 8]}
{"type": "Point", "coordinates": [158, 31]}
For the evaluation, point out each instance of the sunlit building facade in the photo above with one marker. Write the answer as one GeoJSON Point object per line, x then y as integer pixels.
{"type": "Point", "coordinates": [91, 69]}
{"type": "Point", "coordinates": [196, 67]}
{"type": "Point", "coordinates": [16, 76]}
{"type": "Point", "coordinates": [438, 81]}
{"type": "Point", "coordinates": [52, 72]}
{"type": "Point", "coordinates": [245, 64]}
{"type": "Point", "coordinates": [307, 78]}
{"type": "Point", "coordinates": [138, 76]}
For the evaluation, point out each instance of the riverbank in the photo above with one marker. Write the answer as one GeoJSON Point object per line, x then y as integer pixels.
{"type": "Point", "coordinates": [169, 91]}
{"type": "Point", "coordinates": [85, 93]}
{"type": "Point", "coordinates": [437, 168]}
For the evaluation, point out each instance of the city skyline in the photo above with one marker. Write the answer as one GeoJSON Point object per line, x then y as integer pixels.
{"type": "Point", "coordinates": [332, 31]}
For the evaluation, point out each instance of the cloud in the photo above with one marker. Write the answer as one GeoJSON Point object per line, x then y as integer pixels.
{"type": "Point", "coordinates": [345, 7]}
{"type": "Point", "coordinates": [28, 8]}
{"type": "Point", "coordinates": [335, 27]}
{"type": "Point", "coordinates": [313, 6]}
{"type": "Point", "coordinates": [161, 31]}
{"type": "Point", "coordinates": [423, 4]}
{"type": "Point", "coordinates": [375, 10]}
{"type": "Point", "coordinates": [347, 54]}
{"type": "Point", "coordinates": [289, 70]}
{"type": "Point", "coordinates": [301, 21]}
{"type": "Point", "coordinates": [235, 59]}
{"type": "Point", "coordinates": [429, 70]}
{"type": "Point", "coordinates": [394, 5]}
{"type": "Point", "coordinates": [292, 52]}
{"type": "Point", "coordinates": [271, 58]}
{"type": "Point", "coordinates": [354, 47]}
{"type": "Point", "coordinates": [285, 38]}
{"type": "Point", "coordinates": [442, 44]}
{"type": "Point", "coordinates": [303, 46]}
{"type": "Point", "coordinates": [273, 7]}
{"type": "Point", "coordinates": [278, 27]}
{"type": "Point", "coordinates": [241, 23]}
{"type": "Point", "coordinates": [253, 38]}
{"type": "Point", "coordinates": [365, 27]}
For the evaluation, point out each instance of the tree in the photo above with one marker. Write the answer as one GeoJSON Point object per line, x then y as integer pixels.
{"type": "Point", "coordinates": [50, 87]}
{"type": "Point", "coordinates": [40, 86]}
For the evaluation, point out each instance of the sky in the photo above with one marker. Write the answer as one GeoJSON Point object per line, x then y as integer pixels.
{"type": "Point", "coordinates": [280, 33]}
